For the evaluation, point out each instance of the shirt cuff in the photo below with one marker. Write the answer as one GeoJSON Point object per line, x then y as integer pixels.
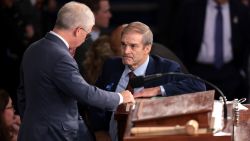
{"type": "Point", "coordinates": [163, 93]}
{"type": "Point", "coordinates": [121, 98]}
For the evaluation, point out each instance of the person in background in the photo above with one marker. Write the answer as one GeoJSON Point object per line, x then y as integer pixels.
{"type": "Point", "coordinates": [101, 10]}
{"type": "Point", "coordinates": [49, 15]}
{"type": "Point", "coordinates": [96, 55]}
{"type": "Point", "coordinates": [136, 44]}
{"type": "Point", "coordinates": [9, 122]}
{"type": "Point", "coordinates": [16, 34]}
{"type": "Point", "coordinates": [115, 39]}
{"type": "Point", "coordinates": [213, 41]}
{"type": "Point", "coordinates": [101, 49]}
{"type": "Point", "coordinates": [51, 85]}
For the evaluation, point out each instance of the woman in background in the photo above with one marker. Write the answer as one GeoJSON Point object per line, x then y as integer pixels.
{"type": "Point", "coordinates": [9, 122]}
{"type": "Point", "coordinates": [95, 57]}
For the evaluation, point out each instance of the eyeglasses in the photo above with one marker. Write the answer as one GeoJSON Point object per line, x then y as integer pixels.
{"type": "Point", "coordinates": [88, 36]}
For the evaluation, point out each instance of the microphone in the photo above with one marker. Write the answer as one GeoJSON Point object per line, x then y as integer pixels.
{"type": "Point", "coordinates": [139, 81]}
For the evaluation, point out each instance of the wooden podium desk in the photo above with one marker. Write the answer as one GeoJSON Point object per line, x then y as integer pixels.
{"type": "Point", "coordinates": [239, 132]}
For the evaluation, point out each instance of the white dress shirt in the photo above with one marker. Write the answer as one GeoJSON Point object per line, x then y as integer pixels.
{"type": "Point", "coordinates": [57, 35]}
{"type": "Point", "coordinates": [207, 50]}
{"type": "Point", "coordinates": [141, 70]}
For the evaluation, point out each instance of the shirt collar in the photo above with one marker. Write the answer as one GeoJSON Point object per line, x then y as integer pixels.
{"type": "Point", "coordinates": [141, 70]}
{"type": "Point", "coordinates": [57, 35]}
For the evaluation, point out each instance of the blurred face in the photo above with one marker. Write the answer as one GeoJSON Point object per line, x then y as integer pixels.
{"type": "Point", "coordinates": [8, 114]}
{"type": "Point", "coordinates": [103, 15]}
{"type": "Point", "coordinates": [115, 40]}
{"type": "Point", "coordinates": [134, 52]}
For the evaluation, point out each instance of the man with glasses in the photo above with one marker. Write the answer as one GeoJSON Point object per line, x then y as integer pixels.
{"type": "Point", "coordinates": [51, 85]}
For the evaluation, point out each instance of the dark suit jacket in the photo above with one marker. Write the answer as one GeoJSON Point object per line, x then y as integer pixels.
{"type": "Point", "coordinates": [50, 88]}
{"type": "Point", "coordinates": [173, 85]}
{"type": "Point", "coordinates": [190, 31]}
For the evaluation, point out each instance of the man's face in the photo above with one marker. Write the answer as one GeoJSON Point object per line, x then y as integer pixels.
{"type": "Point", "coordinates": [103, 15]}
{"type": "Point", "coordinates": [134, 52]}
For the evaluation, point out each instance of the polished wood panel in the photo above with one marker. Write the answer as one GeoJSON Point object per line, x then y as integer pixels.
{"type": "Point", "coordinates": [240, 132]}
{"type": "Point", "coordinates": [202, 137]}
{"type": "Point", "coordinates": [242, 129]}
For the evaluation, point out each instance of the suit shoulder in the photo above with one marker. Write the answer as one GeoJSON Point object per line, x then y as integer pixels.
{"type": "Point", "coordinates": [161, 60]}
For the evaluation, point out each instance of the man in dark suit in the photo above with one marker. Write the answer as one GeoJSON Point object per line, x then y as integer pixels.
{"type": "Point", "coordinates": [51, 83]}
{"type": "Point", "coordinates": [136, 43]}
{"type": "Point", "coordinates": [213, 42]}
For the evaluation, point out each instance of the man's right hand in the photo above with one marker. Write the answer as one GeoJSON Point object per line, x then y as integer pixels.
{"type": "Point", "coordinates": [127, 97]}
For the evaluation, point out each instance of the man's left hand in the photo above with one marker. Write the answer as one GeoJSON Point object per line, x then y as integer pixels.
{"type": "Point", "coordinates": [148, 92]}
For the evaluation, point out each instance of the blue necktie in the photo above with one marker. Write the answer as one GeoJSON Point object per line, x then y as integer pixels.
{"type": "Point", "coordinates": [218, 39]}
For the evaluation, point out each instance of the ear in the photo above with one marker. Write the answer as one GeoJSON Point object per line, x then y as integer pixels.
{"type": "Point", "coordinates": [77, 31]}
{"type": "Point", "coordinates": [147, 48]}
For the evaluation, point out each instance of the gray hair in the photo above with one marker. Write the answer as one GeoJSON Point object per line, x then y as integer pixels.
{"type": "Point", "coordinates": [74, 14]}
{"type": "Point", "coordinates": [141, 28]}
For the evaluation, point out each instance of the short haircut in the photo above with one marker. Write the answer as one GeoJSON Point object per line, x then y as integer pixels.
{"type": "Point", "coordinates": [141, 28]}
{"type": "Point", "coordinates": [74, 14]}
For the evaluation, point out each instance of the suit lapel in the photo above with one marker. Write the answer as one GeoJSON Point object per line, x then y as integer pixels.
{"type": "Point", "coordinates": [151, 69]}
{"type": "Point", "coordinates": [116, 77]}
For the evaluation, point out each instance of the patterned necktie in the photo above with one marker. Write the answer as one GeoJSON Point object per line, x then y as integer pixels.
{"type": "Point", "coordinates": [218, 38]}
{"type": "Point", "coordinates": [129, 87]}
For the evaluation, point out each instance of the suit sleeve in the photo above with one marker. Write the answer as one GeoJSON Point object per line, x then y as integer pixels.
{"type": "Point", "coordinates": [68, 79]}
{"type": "Point", "coordinates": [180, 84]}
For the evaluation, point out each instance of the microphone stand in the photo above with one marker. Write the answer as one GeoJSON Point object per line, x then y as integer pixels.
{"type": "Point", "coordinates": [210, 84]}
{"type": "Point", "coordinates": [196, 78]}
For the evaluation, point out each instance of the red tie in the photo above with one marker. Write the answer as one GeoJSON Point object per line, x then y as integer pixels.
{"type": "Point", "coordinates": [129, 87]}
